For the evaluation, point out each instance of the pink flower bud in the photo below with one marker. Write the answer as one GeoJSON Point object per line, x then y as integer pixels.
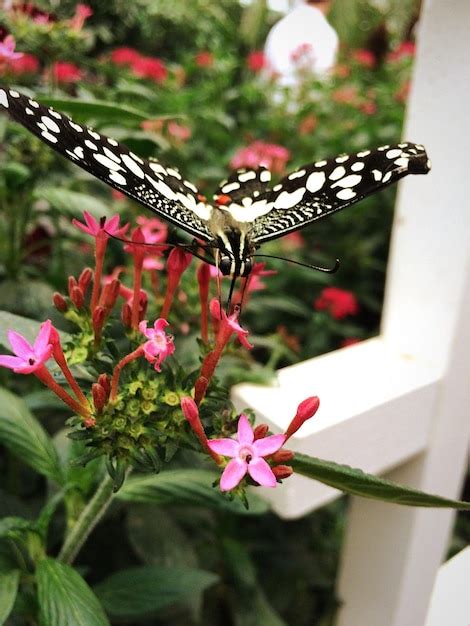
{"type": "Point", "coordinates": [281, 456]}
{"type": "Point", "coordinates": [306, 409]}
{"type": "Point", "coordinates": [104, 381]}
{"type": "Point", "coordinates": [260, 431]}
{"type": "Point", "coordinates": [203, 277]}
{"type": "Point", "coordinates": [190, 410]}
{"type": "Point", "coordinates": [77, 297]}
{"type": "Point", "coordinates": [85, 278]}
{"type": "Point", "coordinates": [89, 422]}
{"type": "Point", "coordinates": [282, 471]}
{"type": "Point", "coordinates": [178, 261]}
{"type": "Point", "coordinates": [60, 302]}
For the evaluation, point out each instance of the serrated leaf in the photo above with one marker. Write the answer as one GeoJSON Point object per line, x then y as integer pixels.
{"type": "Point", "coordinates": [24, 436]}
{"type": "Point", "coordinates": [358, 483]}
{"type": "Point", "coordinates": [65, 598]}
{"type": "Point", "coordinates": [9, 582]}
{"type": "Point", "coordinates": [186, 487]}
{"type": "Point", "coordinates": [26, 326]}
{"type": "Point", "coordinates": [98, 109]}
{"type": "Point", "coordinates": [148, 589]}
{"type": "Point", "coordinates": [72, 202]}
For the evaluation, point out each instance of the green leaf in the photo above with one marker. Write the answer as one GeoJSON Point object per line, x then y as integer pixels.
{"type": "Point", "coordinates": [12, 527]}
{"type": "Point", "coordinates": [65, 598]}
{"type": "Point", "coordinates": [24, 325]}
{"type": "Point", "coordinates": [358, 483]}
{"type": "Point", "coordinates": [9, 582]}
{"type": "Point", "coordinates": [141, 590]}
{"type": "Point", "coordinates": [185, 487]}
{"type": "Point", "coordinates": [98, 109]}
{"type": "Point", "coordinates": [24, 436]}
{"type": "Point", "coordinates": [73, 202]}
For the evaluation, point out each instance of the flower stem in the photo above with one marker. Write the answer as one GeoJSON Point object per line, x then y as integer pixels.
{"type": "Point", "coordinates": [117, 371]}
{"type": "Point", "coordinates": [100, 249]}
{"type": "Point", "coordinates": [46, 377]}
{"type": "Point", "coordinates": [89, 517]}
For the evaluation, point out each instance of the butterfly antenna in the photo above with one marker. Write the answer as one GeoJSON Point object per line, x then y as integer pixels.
{"type": "Point", "coordinates": [326, 270]}
{"type": "Point", "coordinates": [230, 294]}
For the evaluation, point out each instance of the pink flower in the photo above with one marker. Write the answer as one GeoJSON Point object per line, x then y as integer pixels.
{"type": "Point", "coordinates": [178, 131]}
{"type": "Point", "coordinates": [7, 49]}
{"type": "Point", "coordinates": [368, 107]}
{"type": "Point", "coordinates": [258, 271]}
{"type": "Point", "coordinates": [247, 456]}
{"type": "Point", "coordinates": [82, 13]}
{"type": "Point", "coordinates": [270, 155]}
{"type": "Point", "coordinates": [405, 50]}
{"type": "Point", "coordinates": [302, 53]}
{"type": "Point", "coordinates": [366, 58]}
{"type": "Point", "coordinates": [27, 64]}
{"type": "Point", "coordinates": [125, 56]}
{"type": "Point", "coordinates": [29, 358]}
{"type": "Point", "coordinates": [148, 67]}
{"type": "Point", "coordinates": [229, 324]}
{"type": "Point", "coordinates": [338, 302]}
{"type": "Point", "coordinates": [204, 59]}
{"type": "Point", "coordinates": [256, 61]}
{"type": "Point", "coordinates": [153, 229]}
{"type": "Point", "coordinates": [103, 228]}
{"type": "Point", "coordinates": [64, 72]}
{"type": "Point", "coordinates": [160, 345]}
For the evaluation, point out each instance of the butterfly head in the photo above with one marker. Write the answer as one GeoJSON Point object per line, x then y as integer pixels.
{"type": "Point", "coordinates": [234, 253]}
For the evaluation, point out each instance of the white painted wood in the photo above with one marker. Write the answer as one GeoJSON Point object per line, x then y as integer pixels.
{"type": "Point", "coordinates": [450, 600]}
{"type": "Point", "coordinates": [375, 413]}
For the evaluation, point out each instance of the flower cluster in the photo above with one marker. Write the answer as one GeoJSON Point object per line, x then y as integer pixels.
{"type": "Point", "coordinates": [141, 66]}
{"type": "Point", "coordinates": [339, 303]}
{"type": "Point", "coordinates": [131, 413]}
{"type": "Point", "coordinates": [270, 155]}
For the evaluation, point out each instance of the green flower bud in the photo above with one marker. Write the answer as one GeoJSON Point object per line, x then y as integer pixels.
{"type": "Point", "coordinates": [171, 398]}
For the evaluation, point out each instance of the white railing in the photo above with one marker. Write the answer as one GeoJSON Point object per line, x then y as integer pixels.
{"type": "Point", "coordinates": [399, 405]}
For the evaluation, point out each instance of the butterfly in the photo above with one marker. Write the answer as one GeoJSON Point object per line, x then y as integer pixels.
{"type": "Point", "coordinates": [245, 212]}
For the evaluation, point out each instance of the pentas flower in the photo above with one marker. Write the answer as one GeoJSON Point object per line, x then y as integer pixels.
{"type": "Point", "coordinates": [177, 263]}
{"type": "Point", "coordinates": [7, 49]}
{"type": "Point", "coordinates": [148, 67]}
{"type": "Point", "coordinates": [64, 72]}
{"type": "Point", "coordinates": [28, 358]}
{"type": "Point", "coordinates": [256, 61]}
{"type": "Point", "coordinates": [102, 228]}
{"type": "Point", "coordinates": [82, 13]}
{"type": "Point", "coordinates": [160, 345]}
{"type": "Point", "coordinates": [363, 57]}
{"type": "Point", "coordinates": [178, 131]}
{"type": "Point", "coordinates": [338, 302]}
{"type": "Point", "coordinates": [246, 455]}
{"type": "Point", "coordinates": [271, 155]}
{"type": "Point", "coordinates": [125, 56]}
{"type": "Point", "coordinates": [204, 59]}
{"type": "Point", "coordinates": [26, 64]}
{"type": "Point", "coordinates": [229, 324]}
{"type": "Point", "coordinates": [405, 50]}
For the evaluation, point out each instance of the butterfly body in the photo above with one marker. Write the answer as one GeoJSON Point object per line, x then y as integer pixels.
{"type": "Point", "coordinates": [246, 211]}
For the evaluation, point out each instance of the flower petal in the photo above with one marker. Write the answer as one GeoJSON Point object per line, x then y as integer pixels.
{"type": "Point", "coordinates": [233, 474]}
{"type": "Point", "coordinates": [12, 362]}
{"type": "Point", "coordinates": [160, 324]}
{"type": "Point", "coordinates": [20, 346]}
{"type": "Point", "coordinates": [43, 337]}
{"type": "Point", "coordinates": [225, 447]}
{"type": "Point", "coordinates": [245, 432]}
{"type": "Point", "coordinates": [269, 445]}
{"type": "Point", "coordinates": [261, 473]}
{"type": "Point", "coordinates": [143, 327]}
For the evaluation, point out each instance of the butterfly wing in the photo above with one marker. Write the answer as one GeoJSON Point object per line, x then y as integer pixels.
{"type": "Point", "coordinates": [245, 183]}
{"type": "Point", "coordinates": [161, 189]}
{"type": "Point", "coordinates": [319, 189]}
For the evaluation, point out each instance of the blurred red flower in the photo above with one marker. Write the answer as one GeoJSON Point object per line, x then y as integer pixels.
{"type": "Point", "coordinates": [366, 58]}
{"type": "Point", "coordinates": [341, 70]}
{"type": "Point", "coordinates": [64, 72]}
{"type": "Point", "coordinates": [308, 124]}
{"type": "Point", "coordinates": [82, 13]}
{"type": "Point", "coordinates": [405, 50]}
{"type": "Point", "coordinates": [368, 107]}
{"type": "Point", "coordinates": [271, 155]}
{"type": "Point", "coordinates": [124, 56]}
{"type": "Point", "coordinates": [204, 59]}
{"type": "Point", "coordinates": [27, 64]}
{"type": "Point", "coordinates": [178, 131]}
{"type": "Point", "coordinates": [338, 302]}
{"type": "Point", "coordinates": [345, 95]}
{"type": "Point", "coordinates": [256, 60]}
{"type": "Point", "coordinates": [149, 67]}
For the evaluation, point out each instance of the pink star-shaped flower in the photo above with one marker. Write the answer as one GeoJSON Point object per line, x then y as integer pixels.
{"type": "Point", "coordinates": [97, 228]}
{"type": "Point", "coordinates": [160, 345]}
{"type": "Point", "coordinates": [247, 456]}
{"type": "Point", "coordinates": [28, 358]}
{"type": "Point", "coordinates": [229, 323]}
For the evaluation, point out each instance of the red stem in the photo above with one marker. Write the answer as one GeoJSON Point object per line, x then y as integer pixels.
{"type": "Point", "coordinates": [46, 377]}
{"type": "Point", "coordinates": [117, 371]}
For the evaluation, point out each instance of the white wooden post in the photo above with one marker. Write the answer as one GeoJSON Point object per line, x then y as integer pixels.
{"type": "Point", "coordinates": [400, 401]}
{"type": "Point", "coordinates": [391, 554]}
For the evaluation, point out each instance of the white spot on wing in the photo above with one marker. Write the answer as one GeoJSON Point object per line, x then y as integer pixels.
{"type": "Point", "coordinates": [265, 176]}
{"type": "Point", "coordinates": [135, 157]}
{"type": "Point", "coordinates": [34, 104]}
{"type": "Point", "coordinates": [243, 178]}
{"type": "Point", "coordinates": [132, 165]}
{"type": "Point", "coordinates": [393, 154]}
{"type": "Point", "coordinates": [112, 142]}
{"type": "Point", "coordinates": [14, 94]}
{"type": "Point", "coordinates": [157, 168]}
{"type": "Point", "coordinates": [342, 159]}
{"type": "Point", "coordinates": [315, 181]}
{"type": "Point", "coordinates": [3, 98]}
{"type": "Point", "coordinates": [78, 151]}
{"type": "Point", "coordinates": [387, 177]}
{"type": "Point", "coordinates": [55, 114]}
{"type": "Point", "coordinates": [349, 181]}
{"type": "Point", "coordinates": [109, 153]}
{"type": "Point", "coordinates": [377, 175]}
{"type": "Point", "coordinates": [190, 186]}
{"type": "Point", "coordinates": [337, 173]}
{"type": "Point", "coordinates": [297, 174]}
{"type": "Point", "coordinates": [244, 214]}
{"type": "Point", "coordinates": [320, 163]}
{"type": "Point", "coordinates": [346, 194]}
{"type": "Point", "coordinates": [49, 136]}
{"type": "Point", "coordinates": [118, 178]}
{"type": "Point", "coordinates": [277, 187]}
{"type": "Point", "coordinates": [357, 167]}
{"type": "Point", "coordinates": [107, 162]}
{"type": "Point", "coordinates": [230, 187]}
{"type": "Point", "coordinates": [364, 153]}
{"type": "Point", "coordinates": [51, 125]}
{"type": "Point", "coordinates": [91, 145]}
{"type": "Point", "coordinates": [286, 200]}
{"type": "Point", "coordinates": [76, 127]}
{"type": "Point", "coordinates": [174, 173]}
{"type": "Point", "coordinates": [402, 162]}
{"type": "Point", "coordinates": [93, 134]}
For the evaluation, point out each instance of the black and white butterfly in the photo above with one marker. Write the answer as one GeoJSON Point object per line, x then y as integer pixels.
{"type": "Point", "coordinates": [246, 211]}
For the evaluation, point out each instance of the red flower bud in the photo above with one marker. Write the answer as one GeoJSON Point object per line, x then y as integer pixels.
{"type": "Point", "coordinates": [85, 278]}
{"type": "Point", "coordinates": [77, 297]}
{"type": "Point", "coordinates": [60, 302]}
{"type": "Point", "coordinates": [104, 381]}
{"type": "Point", "coordinates": [72, 282]}
{"type": "Point", "coordinates": [306, 409]}
{"type": "Point", "coordinates": [281, 456]}
{"type": "Point", "coordinates": [261, 431]}
{"type": "Point", "coordinates": [178, 261]}
{"type": "Point", "coordinates": [110, 294]}
{"type": "Point", "coordinates": [99, 396]}
{"type": "Point", "coordinates": [282, 471]}
{"type": "Point", "coordinates": [126, 315]}
{"type": "Point", "coordinates": [98, 318]}
{"type": "Point", "coordinates": [190, 410]}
